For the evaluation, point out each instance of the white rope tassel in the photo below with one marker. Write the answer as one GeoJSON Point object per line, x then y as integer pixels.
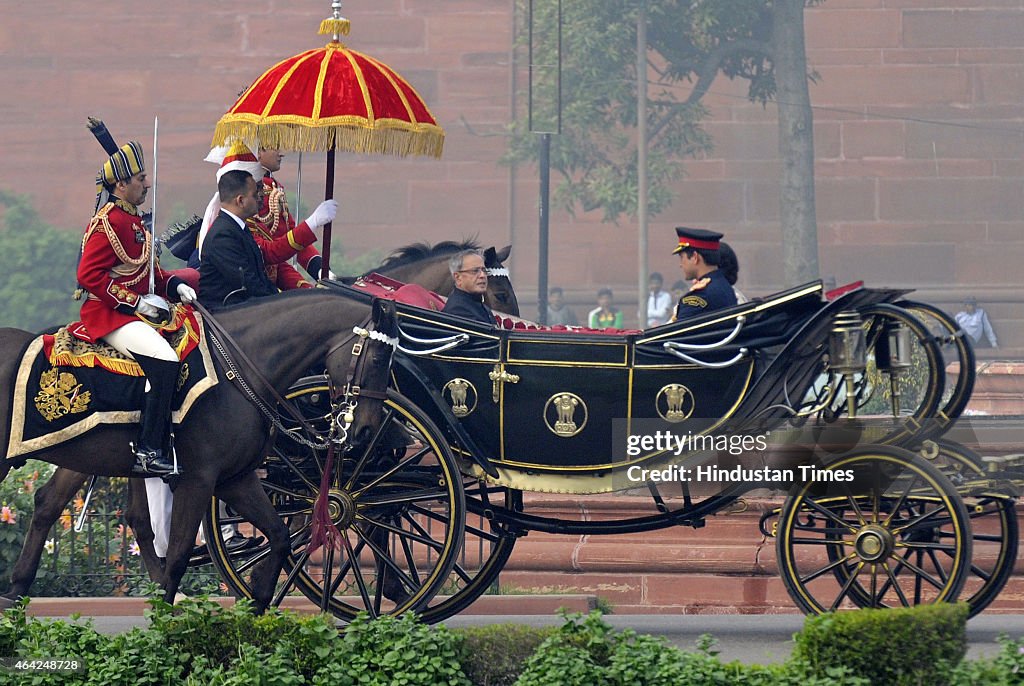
{"type": "Point", "coordinates": [497, 271]}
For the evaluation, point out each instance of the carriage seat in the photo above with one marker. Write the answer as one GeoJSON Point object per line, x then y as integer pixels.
{"type": "Point", "coordinates": [380, 286]}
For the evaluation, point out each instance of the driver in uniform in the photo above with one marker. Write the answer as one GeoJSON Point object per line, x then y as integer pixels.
{"type": "Point", "coordinates": [699, 256]}
{"type": "Point", "coordinates": [114, 272]}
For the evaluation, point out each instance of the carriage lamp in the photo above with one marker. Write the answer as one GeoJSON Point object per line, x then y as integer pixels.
{"type": "Point", "coordinates": [847, 354]}
{"type": "Point", "coordinates": [894, 357]}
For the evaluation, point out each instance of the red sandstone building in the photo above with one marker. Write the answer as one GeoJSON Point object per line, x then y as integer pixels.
{"type": "Point", "coordinates": [919, 138]}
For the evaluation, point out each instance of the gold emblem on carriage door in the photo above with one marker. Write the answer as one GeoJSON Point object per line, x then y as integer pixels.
{"type": "Point", "coordinates": [462, 395]}
{"type": "Point", "coordinates": [563, 407]}
{"type": "Point", "coordinates": [677, 401]}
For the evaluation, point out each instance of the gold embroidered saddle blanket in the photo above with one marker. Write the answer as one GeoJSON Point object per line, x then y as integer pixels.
{"type": "Point", "coordinates": [66, 386]}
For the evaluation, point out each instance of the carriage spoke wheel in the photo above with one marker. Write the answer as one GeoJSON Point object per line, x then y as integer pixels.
{"type": "Point", "coordinates": [485, 550]}
{"type": "Point", "coordinates": [954, 349]}
{"type": "Point", "coordinates": [399, 508]}
{"type": "Point", "coordinates": [898, 534]}
{"type": "Point", "coordinates": [918, 391]}
{"type": "Point", "coordinates": [995, 531]}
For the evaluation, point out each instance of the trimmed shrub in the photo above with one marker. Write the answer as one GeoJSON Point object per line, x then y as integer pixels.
{"type": "Point", "coordinates": [896, 646]}
{"type": "Point", "coordinates": [494, 655]}
{"type": "Point", "coordinates": [389, 651]}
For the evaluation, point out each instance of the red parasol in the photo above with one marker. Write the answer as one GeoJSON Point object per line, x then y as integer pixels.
{"type": "Point", "coordinates": [333, 98]}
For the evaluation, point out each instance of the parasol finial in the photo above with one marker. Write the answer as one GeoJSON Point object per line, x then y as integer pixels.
{"type": "Point", "coordinates": [336, 25]}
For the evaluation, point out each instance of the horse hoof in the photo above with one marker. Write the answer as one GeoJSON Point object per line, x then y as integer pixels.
{"type": "Point", "coordinates": [6, 603]}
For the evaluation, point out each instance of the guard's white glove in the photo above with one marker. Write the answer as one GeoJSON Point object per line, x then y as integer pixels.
{"type": "Point", "coordinates": [148, 310]}
{"type": "Point", "coordinates": [323, 214]}
{"type": "Point", "coordinates": [186, 294]}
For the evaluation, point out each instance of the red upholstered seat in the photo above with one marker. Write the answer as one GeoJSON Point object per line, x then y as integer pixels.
{"type": "Point", "coordinates": [188, 275]}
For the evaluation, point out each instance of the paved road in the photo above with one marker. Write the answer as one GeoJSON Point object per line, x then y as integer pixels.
{"type": "Point", "coordinates": [748, 638]}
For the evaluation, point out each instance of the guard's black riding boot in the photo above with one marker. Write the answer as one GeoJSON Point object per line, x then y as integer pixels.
{"type": "Point", "coordinates": [151, 458]}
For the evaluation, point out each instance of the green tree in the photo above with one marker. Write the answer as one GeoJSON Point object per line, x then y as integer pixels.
{"type": "Point", "coordinates": [38, 263]}
{"type": "Point", "coordinates": [690, 43]}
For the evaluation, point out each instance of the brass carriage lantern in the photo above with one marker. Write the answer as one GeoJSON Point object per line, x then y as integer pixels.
{"type": "Point", "coordinates": [847, 354]}
{"type": "Point", "coordinates": [895, 358]}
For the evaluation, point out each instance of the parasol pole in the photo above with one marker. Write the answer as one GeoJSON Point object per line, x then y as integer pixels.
{"type": "Point", "coordinates": [152, 247]}
{"type": "Point", "coordinates": [298, 188]}
{"type": "Point", "coordinates": [328, 195]}
{"type": "Point", "coordinates": [337, 25]}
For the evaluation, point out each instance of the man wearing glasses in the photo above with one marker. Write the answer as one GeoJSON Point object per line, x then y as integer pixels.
{"type": "Point", "coordinates": [470, 276]}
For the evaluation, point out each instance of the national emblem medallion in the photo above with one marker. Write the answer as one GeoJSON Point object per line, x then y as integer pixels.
{"type": "Point", "coordinates": [674, 402]}
{"type": "Point", "coordinates": [462, 396]}
{"type": "Point", "coordinates": [564, 407]}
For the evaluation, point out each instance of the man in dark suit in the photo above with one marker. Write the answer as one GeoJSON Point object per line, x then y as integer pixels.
{"type": "Point", "coordinates": [470, 276]}
{"type": "Point", "coordinates": [232, 269]}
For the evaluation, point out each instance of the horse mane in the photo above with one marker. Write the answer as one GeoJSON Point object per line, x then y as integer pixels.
{"type": "Point", "coordinates": [417, 252]}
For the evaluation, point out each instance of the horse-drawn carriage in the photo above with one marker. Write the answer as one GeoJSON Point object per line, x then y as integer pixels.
{"type": "Point", "coordinates": [837, 400]}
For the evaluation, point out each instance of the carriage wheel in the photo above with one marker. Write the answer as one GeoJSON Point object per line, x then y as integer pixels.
{"type": "Point", "coordinates": [953, 348]}
{"type": "Point", "coordinates": [485, 550]}
{"type": "Point", "coordinates": [994, 527]}
{"type": "Point", "coordinates": [994, 532]}
{"type": "Point", "coordinates": [897, 534]}
{"type": "Point", "coordinates": [399, 507]}
{"type": "Point", "coordinates": [918, 389]}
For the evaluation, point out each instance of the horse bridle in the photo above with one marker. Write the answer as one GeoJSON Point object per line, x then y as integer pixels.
{"type": "Point", "coordinates": [223, 342]}
{"type": "Point", "coordinates": [351, 392]}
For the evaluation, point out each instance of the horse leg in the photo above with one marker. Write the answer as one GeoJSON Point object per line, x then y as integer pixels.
{"type": "Point", "coordinates": [137, 516]}
{"type": "Point", "coordinates": [50, 501]}
{"type": "Point", "coordinates": [191, 498]}
{"type": "Point", "coordinates": [246, 496]}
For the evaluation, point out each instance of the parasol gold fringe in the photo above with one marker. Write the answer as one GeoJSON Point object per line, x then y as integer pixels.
{"type": "Point", "coordinates": [332, 26]}
{"type": "Point", "coordinates": [423, 140]}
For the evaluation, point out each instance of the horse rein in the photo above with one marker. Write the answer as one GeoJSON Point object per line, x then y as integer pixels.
{"type": "Point", "coordinates": [222, 340]}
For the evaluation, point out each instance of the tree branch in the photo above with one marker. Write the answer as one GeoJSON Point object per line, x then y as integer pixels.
{"type": "Point", "coordinates": [708, 72]}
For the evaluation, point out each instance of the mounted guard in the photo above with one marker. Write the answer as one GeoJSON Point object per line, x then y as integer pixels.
{"type": "Point", "coordinates": [122, 309]}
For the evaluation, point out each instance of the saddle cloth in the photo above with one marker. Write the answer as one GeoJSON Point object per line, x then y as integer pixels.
{"type": "Point", "coordinates": [66, 386]}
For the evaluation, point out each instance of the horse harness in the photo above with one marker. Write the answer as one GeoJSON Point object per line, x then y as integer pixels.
{"type": "Point", "coordinates": [342, 413]}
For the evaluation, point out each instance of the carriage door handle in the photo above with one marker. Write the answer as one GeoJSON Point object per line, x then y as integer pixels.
{"type": "Point", "coordinates": [498, 375]}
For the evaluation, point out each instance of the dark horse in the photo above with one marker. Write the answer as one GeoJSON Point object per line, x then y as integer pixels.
{"type": "Point", "coordinates": [223, 438]}
{"type": "Point", "coordinates": [427, 266]}
{"type": "Point", "coordinates": [418, 263]}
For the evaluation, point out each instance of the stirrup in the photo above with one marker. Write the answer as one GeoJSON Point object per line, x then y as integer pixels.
{"type": "Point", "coordinates": [151, 463]}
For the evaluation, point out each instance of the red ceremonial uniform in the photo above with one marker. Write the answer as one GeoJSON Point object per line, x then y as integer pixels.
{"type": "Point", "coordinates": [271, 223]}
{"type": "Point", "coordinates": [114, 268]}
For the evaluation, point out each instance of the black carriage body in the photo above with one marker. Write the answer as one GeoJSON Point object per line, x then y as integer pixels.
{"type": "Point", "coordinates": [543, 402]}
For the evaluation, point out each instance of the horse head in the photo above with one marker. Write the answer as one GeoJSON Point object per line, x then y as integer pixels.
{"type": "Point", "coordinates": [428, 266]}
{"type": "Point", "coordinates": [500, 296]}
{"type": "Point", "coordinates": [366, 371]}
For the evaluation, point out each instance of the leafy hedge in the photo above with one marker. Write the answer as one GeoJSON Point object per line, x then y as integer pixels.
{"type": "Point", "coordinates": [198, 642]}
{"type": "Point", "coordinates": [898, 646]}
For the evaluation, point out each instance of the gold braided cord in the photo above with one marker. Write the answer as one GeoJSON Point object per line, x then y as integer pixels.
{"type": "Point", "coordinates": [101, 223]}
{"type": "Point", "coordinates": [275, 200]}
